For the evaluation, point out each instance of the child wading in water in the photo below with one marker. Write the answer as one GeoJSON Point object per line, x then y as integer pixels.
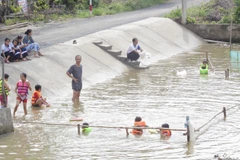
{"type": "Point", "coordinates": [37, 99]}
{"type": "Point", "coordinates": [205, 64]}
{"type": "Point", "coordinates": [166, 132]}
{"type": "Point", "coordinates": [138, 123]}
{"type": "Point", "coordinates": [21, 89]}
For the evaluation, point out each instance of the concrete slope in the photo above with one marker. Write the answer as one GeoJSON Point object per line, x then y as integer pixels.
{"type": "Point", "coordinates": [54, 33]}
{"type": "Point", "coordinates": [159, 36]}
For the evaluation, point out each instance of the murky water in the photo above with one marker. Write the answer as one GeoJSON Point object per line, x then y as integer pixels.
{"type": "Point", "coordinates": [159, 95]}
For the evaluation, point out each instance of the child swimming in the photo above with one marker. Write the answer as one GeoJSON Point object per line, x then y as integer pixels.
{"type": "Point", "coordinates": [85, 129]}
{"type": "Point", "coordinates": [166, 132]}
{"type": "Point", "coordinates": [138, 123]}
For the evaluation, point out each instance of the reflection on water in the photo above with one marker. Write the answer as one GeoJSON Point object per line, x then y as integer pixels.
{"type": "Point", "coordinates": [159, 95]}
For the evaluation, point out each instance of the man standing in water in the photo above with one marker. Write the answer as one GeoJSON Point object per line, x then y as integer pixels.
{"type": "Point", "coordinates": [75, 73]}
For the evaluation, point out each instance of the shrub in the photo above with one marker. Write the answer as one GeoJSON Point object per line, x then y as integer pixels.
{"type": "Point", "coordinates": [191, 20]}
{"type": "Point", "coordinates": [174, 14]}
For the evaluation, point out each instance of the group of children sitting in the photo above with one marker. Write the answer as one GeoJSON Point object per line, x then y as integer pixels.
{"type": "Point", "coordinates": [165, 131]}
{"type": "Point", "coordinates": [17, 50]}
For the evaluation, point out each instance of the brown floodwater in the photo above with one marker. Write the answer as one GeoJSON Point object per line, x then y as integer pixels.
{"type": "Point", "coordinates": [165, 93]}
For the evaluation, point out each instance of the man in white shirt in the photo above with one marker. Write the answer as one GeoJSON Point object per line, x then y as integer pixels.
{"type": "Point", "coordinates": [133, 50]}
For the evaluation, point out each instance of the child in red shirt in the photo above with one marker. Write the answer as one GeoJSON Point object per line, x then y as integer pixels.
{"type": "Point", "coordinates": [37, 99]}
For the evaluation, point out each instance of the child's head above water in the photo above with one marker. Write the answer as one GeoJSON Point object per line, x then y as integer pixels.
{"type": "Point", "coordinates": [38, 87]}
{"type": "Point", "coordinates": [138, 119]}
{"type": "Point", "coordinates": [165, 125]}
{"type": "Point", "coordinates": [204, 61]}
{"type": "Point", "coordinates": [85, 125]}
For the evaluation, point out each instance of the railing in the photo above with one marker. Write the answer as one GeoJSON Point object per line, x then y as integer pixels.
{"type": "Point", "coordinates": [187, 130]}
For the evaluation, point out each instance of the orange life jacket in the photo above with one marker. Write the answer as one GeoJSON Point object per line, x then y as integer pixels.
{"type": "Point", "coordinates": [166, 132]}
{"type": "Point", "coordinates": [138, 124]}
{"type": "Point", "coordinates": [36, 95]}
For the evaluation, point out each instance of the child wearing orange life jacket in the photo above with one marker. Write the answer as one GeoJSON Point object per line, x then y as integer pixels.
{"type": "Point", "coordinates": [138, 123]}
{"type": "Point", "coordinates": [166, 132]}
{"type": "Point", "coordinates": [21, 89]}
{"type": "Point", "coordinates": [37, 99]}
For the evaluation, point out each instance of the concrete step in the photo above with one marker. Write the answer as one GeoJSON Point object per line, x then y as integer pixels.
{"type": "Point", "coordinates": [114, 52]}
{"type": "Point", "coordinates": [105, 47]}
{"type": "Point", "coordinates": [97, 42]}
{"type": "Point", "coordinates": [133, 64]}
{"type": "Point", "coordinates": [122, 59]}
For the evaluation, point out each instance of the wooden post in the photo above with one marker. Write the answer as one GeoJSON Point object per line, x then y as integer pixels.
{"type": "Point", "coordinates": [184, 11]}
{"type": "Point", "coordinates": [3, 81]}
{"type": "Point", "coordinates": [206, 55]}
{"type": "Point", "coordinates": [160, 133]}
{"type": "Point", "coordinates": [224, 113]}
{"type": "Point", "coordinates": [79, 129]}
{"type": "Point", "coordinates": [188, 135]}
{"type": "Point", "coordinates": [227, 73]}
{"type": "Point", "coordinates": [231, 32]}
{"type": "Point", "coordinates": [127, 132]}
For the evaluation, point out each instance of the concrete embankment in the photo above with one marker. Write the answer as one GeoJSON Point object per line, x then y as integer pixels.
{"type": "Point", "coordinates": [161, 37]}
{"type": "Point", "coordinates": [218, 32]}
{"type": "Point", "coordinates": [6, 124]}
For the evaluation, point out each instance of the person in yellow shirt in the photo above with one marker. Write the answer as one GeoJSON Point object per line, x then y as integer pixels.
{"type": "Point", "coordinates": [37, 99]}
{"type": "Point", "coordinates": [7, 90]}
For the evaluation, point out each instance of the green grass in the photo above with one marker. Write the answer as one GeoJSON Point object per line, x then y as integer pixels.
{"type": "Point", "coordinates": [102, 9]}
{"type": "Point", "coordinates": [199, 14]}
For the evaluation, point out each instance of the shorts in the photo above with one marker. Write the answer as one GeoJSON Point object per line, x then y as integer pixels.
{"type": "Point", "coordinates": [133, 56]}
{"type": "Point", "coordinates": [1, 99]}
{"type": "Point", "coordinates": [24, 100]}
{"type": "Point", "coordinates": [35, 105]}
{"type": "Point", "coordinates": [77, 86]}
{"type": "Point", "coordinates": [8, 54]}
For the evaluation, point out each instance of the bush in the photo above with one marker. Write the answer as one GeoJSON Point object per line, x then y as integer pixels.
{"type": "Point", "coordinates": [174, 14]}
{"type": "Point", "coordinates": [225, 19]}
{"type": "Point", "coordinates": [40, 5]}
{"type": "Point", "coordinates": [191, 20]}
{"type": "Point", "coordinates": [9, 22]}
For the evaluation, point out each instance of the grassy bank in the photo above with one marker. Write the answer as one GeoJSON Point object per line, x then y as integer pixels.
{"type": "Point", "coordinates": [214, 12]}
{"type": "Point", "coordinates": [102, 8]}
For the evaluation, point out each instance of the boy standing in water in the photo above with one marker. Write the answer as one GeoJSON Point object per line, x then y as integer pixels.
{"type": "Point", "coordinates": [37, 99]}
{"type": "Point", "coordinates": [21, 89]}
{"type": "Point", "coordinates": [75, 73]}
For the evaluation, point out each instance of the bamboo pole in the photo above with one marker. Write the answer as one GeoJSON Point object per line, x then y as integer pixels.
{"type": "Point", "coordinates": [206, 55]}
